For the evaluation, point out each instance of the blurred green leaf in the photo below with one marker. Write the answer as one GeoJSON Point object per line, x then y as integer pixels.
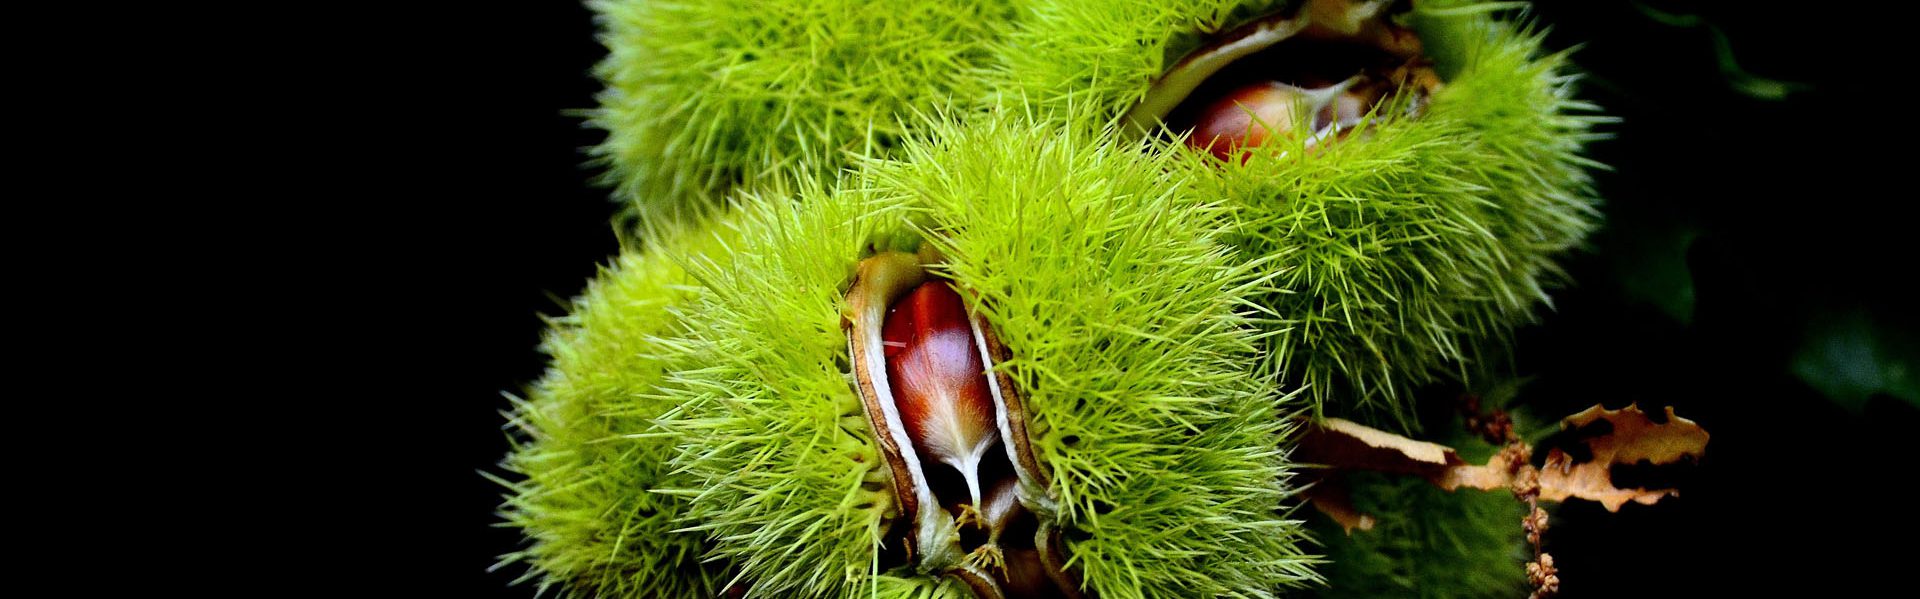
{"type": "Point", "coordinates": [1737, 77]}
{"type": "Point", "coordinates": [1850, 358]}
{"type": "Point", "coordinates": [1652, 267]}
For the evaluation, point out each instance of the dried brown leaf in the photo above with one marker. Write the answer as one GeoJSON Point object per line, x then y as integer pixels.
{"type": "Point", "coordinates": [1347, 445]}
{"type": "Point", "coordinates": [1499, 472]}
{"type": "Point", "coordinates": [1604, 437]}
{"type": "Point", "coordinates": [1626, 436]}
{"type": "Point", "coordinates": [1332, 497]}
{"type": "Point", "coordinates": [1344, 445]}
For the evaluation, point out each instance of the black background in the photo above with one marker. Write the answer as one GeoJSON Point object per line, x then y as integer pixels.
{"type": "Point", "coordinates": [1794, 210]}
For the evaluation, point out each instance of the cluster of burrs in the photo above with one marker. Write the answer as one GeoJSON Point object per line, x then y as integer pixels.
{"type": "Point", "coordinates": [1032, 298]}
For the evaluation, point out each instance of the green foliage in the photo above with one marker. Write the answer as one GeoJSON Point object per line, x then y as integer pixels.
{"type": "Point", "coordinates": [1850, 356]}
{"type": "Point", "coordinates": [1122, 315]}
{"type": "Point", "coordinates": [1738, 78]}
{"type": "Point", "coordinates": [703, 96]}
{"type": "Point", "coordinates": [1411, 249]}
{"type": "Point", "coordinates": [582, 454]}
{"type": "Point", "coordinates": [1649, 260]}
{"type": "Point", "coordinates": [1428, 543]}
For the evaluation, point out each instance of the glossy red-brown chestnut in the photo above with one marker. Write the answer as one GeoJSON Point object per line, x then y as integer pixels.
{"type": "Point", "coordinates": [939, 382]}
{"type": "Point", "coordinates": [1246, 117]}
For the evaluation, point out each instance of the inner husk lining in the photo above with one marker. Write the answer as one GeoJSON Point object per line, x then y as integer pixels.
{"type": "Point", "coordinates": [1315, 45]}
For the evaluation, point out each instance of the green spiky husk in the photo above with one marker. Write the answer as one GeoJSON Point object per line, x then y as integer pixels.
{"type": "Point", "coordinates": [702, 96]}
{"type": "Point", "coordinates": [1415, 251]}
{"type": "Point", "coordinates": [582, 495]}
{"type": "Point", "coordinates": [1122, 316]}
{"type": "Point", "coordinates": [1407, 255]}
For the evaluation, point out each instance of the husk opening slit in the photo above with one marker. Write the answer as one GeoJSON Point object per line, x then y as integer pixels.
{"type": "Point", "coordinates": [1313, 73]}
{"type": "Point", "coordinates": [971, 499]}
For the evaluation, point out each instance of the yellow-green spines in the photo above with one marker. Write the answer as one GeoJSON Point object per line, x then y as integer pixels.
{"type": "Point", "coordinates": [784, 473]}
{"type": "Point", "coordinates": [703, 96]}
{"type": "Point", "coordinates": [584, 468]}
{"type": "Point", "coordinates": [1104, 54]}
{"type": "Point", "coordinates": [1122, 315]}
